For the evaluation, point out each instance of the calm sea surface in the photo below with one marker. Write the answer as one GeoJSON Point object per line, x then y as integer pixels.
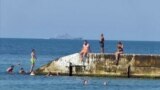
{"type": "Point", "coordinates": [15, 51]}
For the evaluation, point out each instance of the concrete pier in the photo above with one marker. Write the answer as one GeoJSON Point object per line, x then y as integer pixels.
{"type": "Point", "coordinates": [130, 65]}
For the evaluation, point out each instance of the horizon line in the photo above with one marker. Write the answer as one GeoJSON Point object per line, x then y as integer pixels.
{"type": "Point", "coordinates": [82, 39]}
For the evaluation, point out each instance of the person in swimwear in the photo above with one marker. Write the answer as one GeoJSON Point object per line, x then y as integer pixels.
{"type": "Point", "coordinates": [119, 51]}
{"type": "Point", "coordinates": [102, 43]}
{"type": "Point", "coordinates": [10, 69]}
{"type": "Point", "coordinates": [33, 60]}
{"type": "Point", "coordinates": [85, 50]}
{"type": "Point", "coordinates": [21, 71]}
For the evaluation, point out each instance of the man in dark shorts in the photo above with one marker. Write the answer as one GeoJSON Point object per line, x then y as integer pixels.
{"type": "Point", "coordinates": [102, 43]}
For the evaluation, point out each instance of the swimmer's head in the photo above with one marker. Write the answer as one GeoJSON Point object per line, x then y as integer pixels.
{"type": "Point", "coordinates": [12, 66]}
{"type": "Point", "coordinates": [85, 82]}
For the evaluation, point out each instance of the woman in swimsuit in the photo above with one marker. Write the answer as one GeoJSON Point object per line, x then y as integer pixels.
{"type": "Point", "coordinates": [119, 51]}
{"type": "Point", "coordinates": [85, 50]}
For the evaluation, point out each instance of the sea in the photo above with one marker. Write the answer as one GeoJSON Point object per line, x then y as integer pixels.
{"type": "Point", "coordinates": [15, 51]}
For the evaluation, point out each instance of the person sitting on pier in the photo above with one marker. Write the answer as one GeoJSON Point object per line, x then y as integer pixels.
{"type": "Point", "coordinates": [85, 50]}
{"type": "Point", "coordinates": [119, 51]}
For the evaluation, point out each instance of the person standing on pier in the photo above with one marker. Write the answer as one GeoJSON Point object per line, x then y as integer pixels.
{"type": "Point", "coordinates": [33, 60]}
{"type": "Point", "coordinates": [102, 43]}
{"type": "Point", "coordinates": [118, 52]}
{"type": "Point", "coordinates": [85, 50]}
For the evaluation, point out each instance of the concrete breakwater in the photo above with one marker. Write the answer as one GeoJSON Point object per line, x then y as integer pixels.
{"type": "Point", "coordinates": [130, 65]}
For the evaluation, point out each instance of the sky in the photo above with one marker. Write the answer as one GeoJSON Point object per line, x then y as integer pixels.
{"type": "Point", "coordinates": [117, 19]}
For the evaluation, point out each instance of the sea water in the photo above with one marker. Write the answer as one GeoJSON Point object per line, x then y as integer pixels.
{"type": "Point", "coordinates": [17, 51]}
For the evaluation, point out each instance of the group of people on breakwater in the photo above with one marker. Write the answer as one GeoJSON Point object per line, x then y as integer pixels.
{"type": "Point", "coordinates": [83, 53]}
{"type": "Point", "coordinates": [86, 49]}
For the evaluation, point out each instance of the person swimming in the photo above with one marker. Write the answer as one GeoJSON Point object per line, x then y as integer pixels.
{"type": "Point", "coordinates": [33, 60]}
{"type": "Point", "coordinates": [85, 50]}
{"type": "Point", "coordinates": [85, 82]}
{"type": "Point", "coordinates": [10, 69]}
{"type": "Point", "coordinates": [22, 71]}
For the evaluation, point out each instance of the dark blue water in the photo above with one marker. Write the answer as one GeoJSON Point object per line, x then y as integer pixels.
{"type": "Point", "coordinates": [13, 51]}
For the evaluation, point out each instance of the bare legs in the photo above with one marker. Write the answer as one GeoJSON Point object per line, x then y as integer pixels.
{"type": "Point", "coordinates": [32, 66]}
{"type": "Point", "coordinates": [102, 50]}
{"type": "Point", "coordinates": [117, 56]}
{"type": "Point", "coordinates": [83, 55]}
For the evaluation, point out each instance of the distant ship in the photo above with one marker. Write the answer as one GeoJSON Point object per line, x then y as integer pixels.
{"type": "Point", "coordinates": [66, 37]}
